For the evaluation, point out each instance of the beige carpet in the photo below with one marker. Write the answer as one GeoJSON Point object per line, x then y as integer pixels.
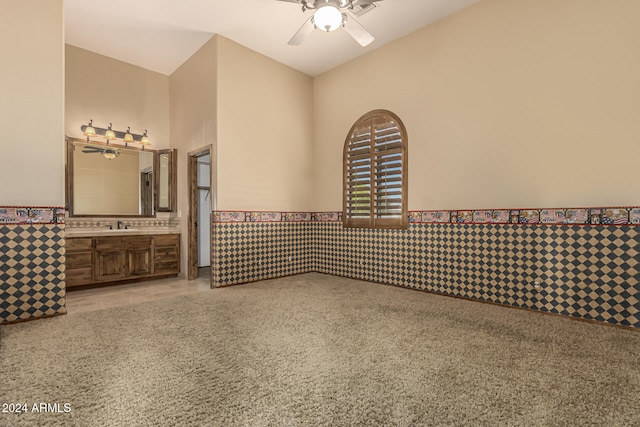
{"type": "Point", "coordinates": [320, 350]}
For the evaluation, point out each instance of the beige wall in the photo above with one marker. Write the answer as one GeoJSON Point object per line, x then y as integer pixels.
{"type": "Point", "coordinates": [256, 114]}
{"type": "Point", "coordinates": [111, 91]}
{"type": "Point", "coordinates": [264, 132]}
{"type": "Point", "coordinates": [508, 103]}
{"type": "Point", "coordinates": [193, 111]}
{"type": "Point", "coordinates": [193, 121]}
{"type": "Point", "coordinates": [31, 103]}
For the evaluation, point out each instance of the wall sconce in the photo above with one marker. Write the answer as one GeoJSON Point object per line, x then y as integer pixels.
{"type": "Point", "coordinates": [88, 130]}
{"type": "Point", "coordinates": [127, 136]}
{"type": "Point", "coordinates": [144, 140]}
{"type": "Point", "coordinates": [110, 134]}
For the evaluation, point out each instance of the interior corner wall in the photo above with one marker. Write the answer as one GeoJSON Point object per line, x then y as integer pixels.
{"type": "Point", "coordinates": [193, 124]}
{"type": "Point", "coordinates": [31, 103]}
{"type": "Point", "coordinates": [507, 104]}
{"type": "Point", "coordinates": [583, 271]}
{"type": "Point", "coordinates": [111, 91]}
{"type": "Point", "coordinates": [264, 132]}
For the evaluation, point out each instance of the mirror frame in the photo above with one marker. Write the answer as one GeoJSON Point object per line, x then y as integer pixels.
{"type": "Point", "coordinates": [173, 180]}
{"type": "Point", "coordinates": [69, 174]}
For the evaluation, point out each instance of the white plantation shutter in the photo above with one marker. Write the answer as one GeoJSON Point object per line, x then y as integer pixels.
{"type": "Point", "coordinates": [375, 172]}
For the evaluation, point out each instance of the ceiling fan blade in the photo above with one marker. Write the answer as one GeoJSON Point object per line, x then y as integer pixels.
{"type": "Point", "coordinates": [359, 2]}
{"type": "Point", "coordinates": [358, 32]}
{"type": "Point", "coordinates": [302, 33]}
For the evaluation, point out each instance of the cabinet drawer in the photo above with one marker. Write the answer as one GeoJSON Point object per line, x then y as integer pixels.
{"type": "Point", "coordinates": [81, 276]}
{"type": "Point", "coordinates": [78, 244]}
{"type": "Point", "coordinates": [167, 240]}
{"type": "Point", "coordinates": [166, 267]}
{"type": "Point", "coordinates": [110, 243]}
{"type": "Point", "coordinates": [139, 242]}
{"type": "Point", "coordinates": [166, 253]}
{"type": "Point", "coordinates": [79, 260]}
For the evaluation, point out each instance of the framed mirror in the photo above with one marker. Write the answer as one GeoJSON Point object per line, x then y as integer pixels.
{"type": "Point", "coordinates": [110, 180]}
{"type": "Point", "coordinates": [166, 180]}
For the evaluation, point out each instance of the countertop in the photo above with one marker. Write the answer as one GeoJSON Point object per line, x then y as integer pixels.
{"type": "Point", "coordinates": [102, 232]}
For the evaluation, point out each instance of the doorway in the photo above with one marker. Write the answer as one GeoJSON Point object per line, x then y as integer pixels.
{"type": "Point", "coordinates": [146, 192]}
{"type": "Point", "coordinates": [200, 205]}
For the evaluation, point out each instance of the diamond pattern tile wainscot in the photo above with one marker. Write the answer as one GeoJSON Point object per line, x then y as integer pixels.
{"type": "Point", "coordinates": [32, 260]}
{"type": "Point", "coordinates": [584, 271]}
{"type": "Point", "coordinates": [250, 251]}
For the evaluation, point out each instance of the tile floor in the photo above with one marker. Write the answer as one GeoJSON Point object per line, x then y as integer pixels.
{"type": "Point", "coordinates": [84, 300]}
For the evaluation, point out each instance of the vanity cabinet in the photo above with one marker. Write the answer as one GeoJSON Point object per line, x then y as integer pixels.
{"type": "Point", "coordinates": [167, 253]}
{"type": "Point", "coordinates": [110, 253]}
{"type": "Point", "coordinates": [79, 264]}
{"type": "Point", "coordinates": [99, 260]}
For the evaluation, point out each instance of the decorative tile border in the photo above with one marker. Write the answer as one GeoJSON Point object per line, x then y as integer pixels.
{"type": "Point", "coordinates": [557, 216]}
{"type": "Point", "coordinates": [271, 216]}
{"type": "Point", "coordinates": [100, 223]}
{"type": "Point", "coordinates": [31, 215]}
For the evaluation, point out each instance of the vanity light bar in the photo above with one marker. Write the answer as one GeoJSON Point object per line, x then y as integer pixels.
{"type": "Point", "coordinates": [90, 130]}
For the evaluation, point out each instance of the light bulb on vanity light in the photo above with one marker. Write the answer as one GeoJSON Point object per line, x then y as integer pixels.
{"type": "Point", "coordinates": [109, 135]}
{"type": "Point", "coordinates": [127, 136]}
{"type": "Point", "coordinates": [89, 131]}
{"type": "Point", "coordinates": [145, 139]}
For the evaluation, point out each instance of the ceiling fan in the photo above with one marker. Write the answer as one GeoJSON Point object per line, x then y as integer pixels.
{"type": "Point", "coordinates": [329, 16]}
{"type": "Point", "coordinates": [107, 153]}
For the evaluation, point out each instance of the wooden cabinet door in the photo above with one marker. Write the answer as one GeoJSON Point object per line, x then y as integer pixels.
{"type": "Point", "coordinates": [139, 262]}
{"type": "Point", "coordinates": [110, 264]}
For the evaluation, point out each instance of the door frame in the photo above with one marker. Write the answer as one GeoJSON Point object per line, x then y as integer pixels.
{"type": "Point", "coordinates": [147, 202]}
{"type": "Point", "coordinates": [192, 177]}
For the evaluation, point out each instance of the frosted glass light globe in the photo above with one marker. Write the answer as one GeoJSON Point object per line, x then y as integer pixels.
{"type": "Point", "coordinates": [327, 18]}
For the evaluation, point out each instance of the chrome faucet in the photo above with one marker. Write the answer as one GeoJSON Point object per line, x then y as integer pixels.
{"type": "Point", "coordinates": [119, 225]}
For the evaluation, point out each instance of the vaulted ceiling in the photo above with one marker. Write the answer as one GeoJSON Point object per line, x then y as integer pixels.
{"type": "Point", "coordinates": [160, 35]}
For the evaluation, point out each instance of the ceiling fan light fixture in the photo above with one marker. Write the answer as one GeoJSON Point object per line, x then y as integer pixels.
{"type": "Point", "coordinates": [109, 154]}
{"type": "Point", "coordinates": [327, 18]}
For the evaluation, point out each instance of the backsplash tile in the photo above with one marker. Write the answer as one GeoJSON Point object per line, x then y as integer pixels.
{"type": "Point", "coordinates": [102, 223]}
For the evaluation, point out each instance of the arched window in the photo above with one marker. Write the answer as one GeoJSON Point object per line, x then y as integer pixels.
{"type": "Point", "coordinates": [375, 172]}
